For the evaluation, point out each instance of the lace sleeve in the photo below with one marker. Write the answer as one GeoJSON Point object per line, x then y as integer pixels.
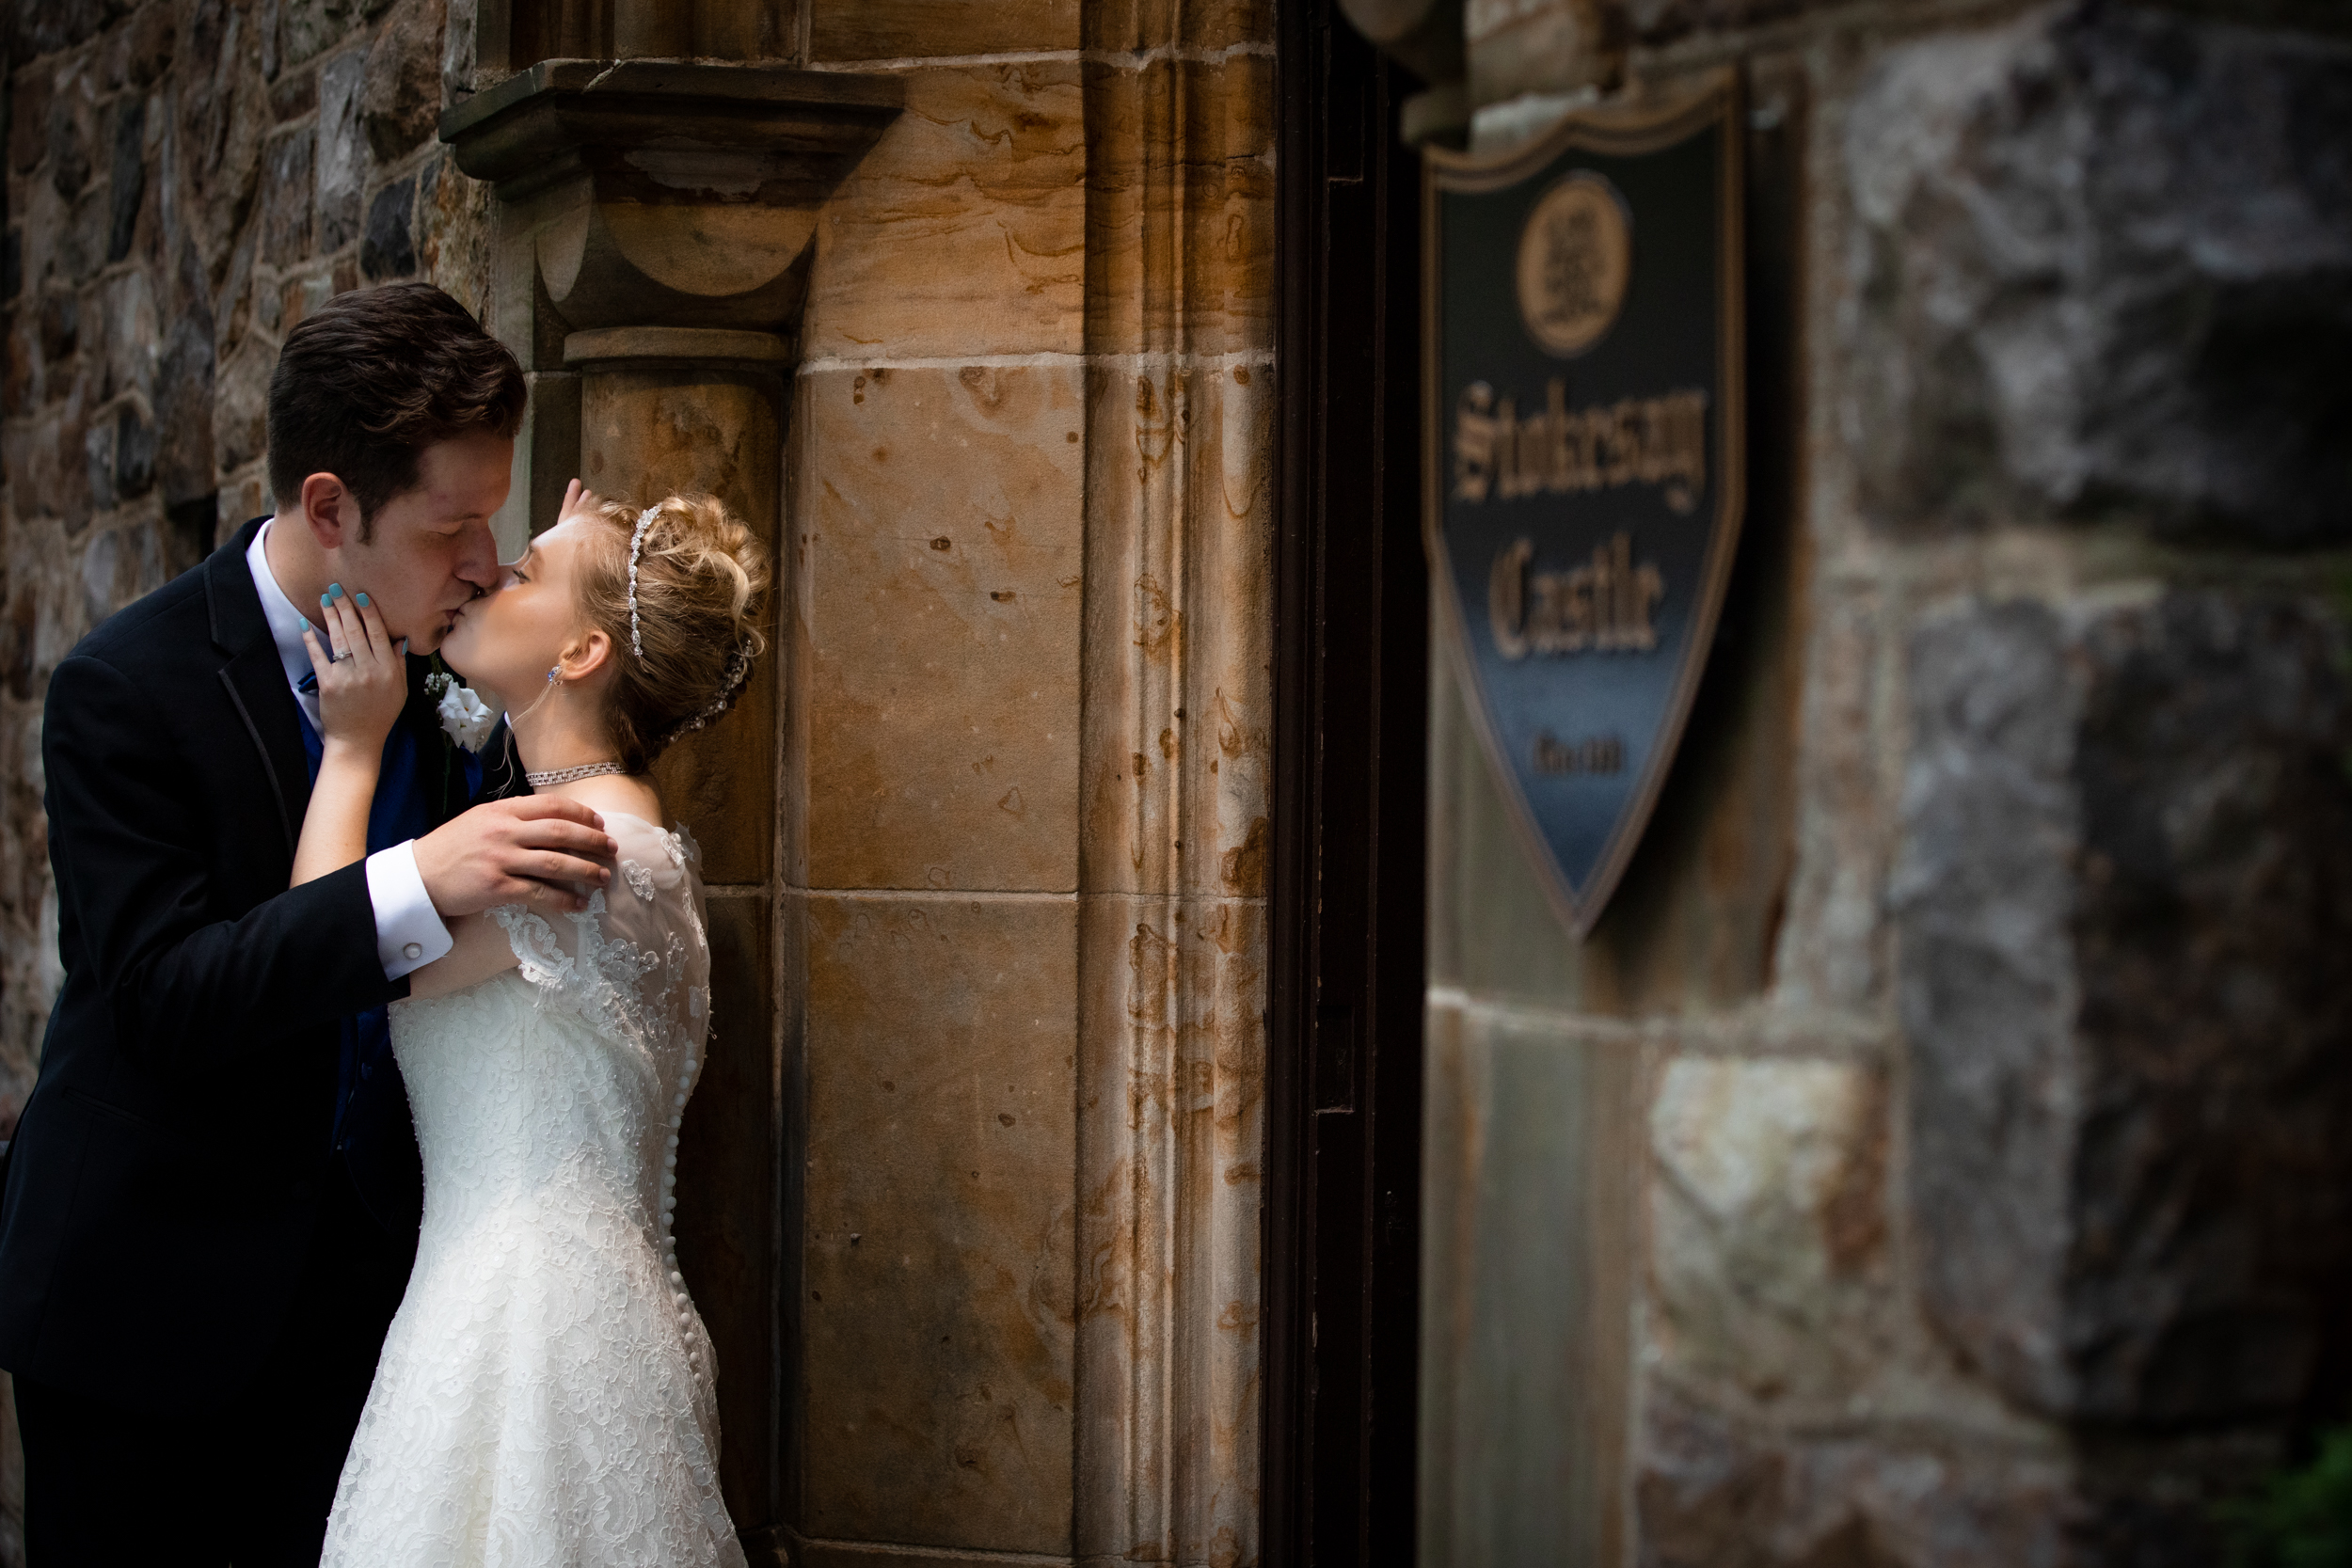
{"type": "Point", "coordinates": [635, 964]}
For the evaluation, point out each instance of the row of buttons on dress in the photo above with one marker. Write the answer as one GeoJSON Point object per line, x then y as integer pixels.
{"type": "Point", "coordinates": [669, 1211]}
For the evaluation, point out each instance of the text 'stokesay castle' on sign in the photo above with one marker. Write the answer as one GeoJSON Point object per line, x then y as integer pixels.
{"type": "Point", "coordinates": [1585, 456]}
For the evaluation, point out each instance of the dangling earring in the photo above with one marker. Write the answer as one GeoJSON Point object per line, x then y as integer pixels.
{"type": "Point", "coordinates": [555, 675]}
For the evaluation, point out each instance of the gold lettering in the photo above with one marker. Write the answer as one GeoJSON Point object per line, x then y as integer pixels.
{"type": "Point", "coordinates": [1507, 599]}
{"type": "Point", "coordinates": [1559, 449]}
{"type": "Point", "coordinates": [1603, 605]}
{"type": "Point", "coordinates": [1594, 753]}
{"type": "Point", "coordinates": [1474, 442]}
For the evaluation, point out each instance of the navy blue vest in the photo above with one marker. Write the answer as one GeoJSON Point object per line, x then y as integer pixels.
{"type": "Point", "coordinates": [370, 1103]}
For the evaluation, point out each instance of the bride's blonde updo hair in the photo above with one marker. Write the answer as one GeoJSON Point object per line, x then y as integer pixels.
{"type": "Point", "coordinates": [702, 590]}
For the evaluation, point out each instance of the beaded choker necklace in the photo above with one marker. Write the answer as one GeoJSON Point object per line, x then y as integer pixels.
{"type": "Point", "coordinates": [565, 775]}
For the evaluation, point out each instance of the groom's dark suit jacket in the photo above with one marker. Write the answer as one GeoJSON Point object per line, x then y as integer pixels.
{"type": "Point", "coordinates": [165, 1177]}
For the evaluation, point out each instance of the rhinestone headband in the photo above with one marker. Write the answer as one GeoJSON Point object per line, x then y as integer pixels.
{"type": "Point", "coordinates": [636, 547]}
{"type": "Point", "coordinates": [738, 667]}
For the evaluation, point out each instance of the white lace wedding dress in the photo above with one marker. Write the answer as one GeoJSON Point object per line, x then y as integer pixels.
{"type": "Point", "coordinates": [546, 1395]}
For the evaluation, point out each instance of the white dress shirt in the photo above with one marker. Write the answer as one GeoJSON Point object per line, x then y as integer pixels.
{"type": "Point", "coordinates": [409, 932]}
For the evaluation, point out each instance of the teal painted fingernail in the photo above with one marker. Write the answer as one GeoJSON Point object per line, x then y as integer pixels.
{"type": "Point", "coordinates": [325, 601]}
{"type": "Point", "coordinates": [363, 601]}
{"type": "Point", "coordinates": [306, 622]}
{"type": "Point", "coordinates": [334, 589]}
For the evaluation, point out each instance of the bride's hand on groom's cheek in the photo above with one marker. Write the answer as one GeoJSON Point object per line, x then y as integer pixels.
{"type": "Point", "coordinates": [544, 852]}
{"type": "Point", "coordinates": [362, 678]}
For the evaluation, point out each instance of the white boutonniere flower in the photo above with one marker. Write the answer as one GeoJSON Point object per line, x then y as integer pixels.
{"type": "Point", "coordinates": [466, 719]}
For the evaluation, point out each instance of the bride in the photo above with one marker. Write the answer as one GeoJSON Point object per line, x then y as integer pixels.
{"type": "Point", "coordinates": [545, 1393]}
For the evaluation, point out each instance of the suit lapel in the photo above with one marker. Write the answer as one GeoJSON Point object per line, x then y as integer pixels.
{"type": "Point", "coordinates": [255, 680]}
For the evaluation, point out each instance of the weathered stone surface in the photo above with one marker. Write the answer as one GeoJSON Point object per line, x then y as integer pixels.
{"type": "Point", "coordinates": [184, 409]}
{"type": "Point", "coordinates": [2104, 264]}
{"type": "Point", "coordinates": [990, 261]}
{"type": "Point", "coordinates": [944, 709]}
{"type": "Point", "coordinates": [1178, 748]}
{"type": "Point", "coordinates": [241, 406]}
{"type": "Point", "coordinates": [1982, 895]}
{"type": "Point", "coordinates": [387, 250]}
{"type": "Point", "coordinates": [1214, 207]}
{"type": "Point", "coordinates": [1713, 1491]}
{"type": "Point", "coordinates": [2126, 875]}
{"type": "Point", "coordinates": [855, 30]}
{"type": "Point", "coordinates": [286, 200]}
{"type": "Point", "coordinates": [1769, 1225]}
{"type": "Point", "coordinates": [2213, 1214]}
{"type": "Point", "coordinates": [129, 178]}
{"type": "Point", "coordinates": [28, 120]}
{"type": "Point", "coordinates": [342, 155]}
{"type": "Point", "coordinates": [133, 453]}
{"type": "Point", "coordinates": [307, 27]}
{"type": "Point", "coordinates": [69, 137]}
{"type": "Point", "coordinates": [293, 94]}
{"type": "Point", "coordinates": [402, 92]}
{"type": "Point", "coordinates": [148, 44]}
{"type": "Point", "coordinates": [939, 1253]}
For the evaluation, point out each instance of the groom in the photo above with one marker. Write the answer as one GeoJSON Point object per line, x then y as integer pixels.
{"type": "Point", "coordinates": [211, 1203]}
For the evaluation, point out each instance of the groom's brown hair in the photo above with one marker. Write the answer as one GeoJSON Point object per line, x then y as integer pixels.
{"type": "Point", "coordinates": [374, 377]}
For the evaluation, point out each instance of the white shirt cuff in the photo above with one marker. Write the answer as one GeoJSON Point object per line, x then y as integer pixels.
{"type": "Point", "coordinates": [408, 930]}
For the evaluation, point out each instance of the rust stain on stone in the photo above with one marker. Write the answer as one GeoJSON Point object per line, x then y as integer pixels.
{"type": "Point", "coordinates": [1854, 1208]}
{"type": "Point", "coordinates": [1242, 869]}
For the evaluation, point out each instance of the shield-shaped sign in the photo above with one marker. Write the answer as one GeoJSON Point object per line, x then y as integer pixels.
{"type": "Point", "coordinates": [1585, 456]}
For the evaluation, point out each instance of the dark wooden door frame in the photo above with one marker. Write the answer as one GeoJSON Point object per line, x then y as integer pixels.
{"type": "Point", "coordinates": [1343, 1219]}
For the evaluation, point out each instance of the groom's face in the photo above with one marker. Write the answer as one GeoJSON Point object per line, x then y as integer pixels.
{"type": "Point", "coordinates": [430, 550]}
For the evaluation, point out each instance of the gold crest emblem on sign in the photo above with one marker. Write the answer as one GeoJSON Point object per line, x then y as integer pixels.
{"type": "Point", "coordinates": [1574, 256]}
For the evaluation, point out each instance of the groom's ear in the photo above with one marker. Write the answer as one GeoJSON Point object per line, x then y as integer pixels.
{"type": "Point", "coordinates": [330, 512]}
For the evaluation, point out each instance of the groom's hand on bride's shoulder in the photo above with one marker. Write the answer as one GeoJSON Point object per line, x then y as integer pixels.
{"type": "Point", "coordinates": [542, 850]}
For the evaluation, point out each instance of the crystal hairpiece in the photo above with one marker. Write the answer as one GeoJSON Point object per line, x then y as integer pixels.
{"type": "Point", "coordinates": [738, 667]}
{"type": "Point", "coordinates": [636, 545]}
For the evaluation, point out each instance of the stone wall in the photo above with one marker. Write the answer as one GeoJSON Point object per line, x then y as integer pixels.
{"type": "Point", "coordinates": [185, 179]}
{"type": "Point", "coordinates": [1970, 1037]}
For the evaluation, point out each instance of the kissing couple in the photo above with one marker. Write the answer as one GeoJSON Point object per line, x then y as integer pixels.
{"type": "Point", "coordinates": [255, 1312]}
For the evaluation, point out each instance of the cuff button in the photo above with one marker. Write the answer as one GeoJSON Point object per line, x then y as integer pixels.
{"type": "Point", "coordinates": [414, 951]}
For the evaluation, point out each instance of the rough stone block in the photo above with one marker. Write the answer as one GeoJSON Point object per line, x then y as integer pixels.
{"type": "Point", "coordinates": [386, 250]}
{"type": "Point", "coordinates": [184, 409]}
{"type": "Point", "coordinates": [341, 155]}
{"type": "Point", "coordinates": [60, 327]}
{"type": "Point", "coordinates": [1769, 1224]}
{"type": "Point", "coordinates": [11, 263]}
{"type": "Point", "coordinates": [939, 1256]}
{"type": "Point", "coordinates": [241, 405]}
{"type": "Point", "coordinates": [69, 138]}
{"type": "Point", "coordinates": [307, 27]}
{"type": "Point", "coordinates": [286, 198]}
{"type": "Point", "coordinates": [28, 120]}
{"type": "Point", "coordinates": [402, 92]}
{"type": "Point", "coordinates": [2103, 261]}
{"type": "Point", "coordinates": [2122, 898]}
{"type": "Point", "coordinates": [148, 43]}
{"type": "Point", "coordinates": [293, 95]}
{"type": "Point", "coordinates": [98, 453]}
{"type": "Point", "coordinates": [128, 181]}
{"type": "Point", "coordinates": [943, 554]}
{"type": "Point", "coordinates": [135, 446]}
{"type": "Point", "coordinates": [1715, 1492]}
